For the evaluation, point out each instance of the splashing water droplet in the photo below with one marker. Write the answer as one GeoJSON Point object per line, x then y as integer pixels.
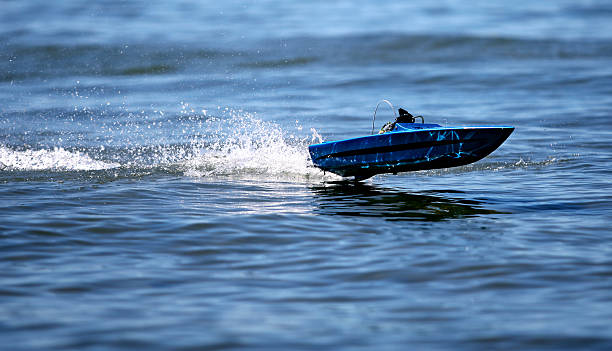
{"type": "Point", "coordinates": [244, 145]}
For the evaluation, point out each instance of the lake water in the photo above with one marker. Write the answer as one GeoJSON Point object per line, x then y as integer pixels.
{"type": "Point", "coordinates": [157, 193]}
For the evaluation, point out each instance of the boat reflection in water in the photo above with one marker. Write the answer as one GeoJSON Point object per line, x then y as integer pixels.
{"type": "Point", "coordinates": [349, 198]}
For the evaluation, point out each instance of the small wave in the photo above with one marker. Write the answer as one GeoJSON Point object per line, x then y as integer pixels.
{"type": "Point", "coordinates": [55, 159]}
{"type": "Point", "coordinates": [497, 166]}
{"type": "Point", "coordinates": [148, 70]}
{"type": "Point", "coordinates": [31, 60]}
{"type": "Point", "coordinates": [279, 63]}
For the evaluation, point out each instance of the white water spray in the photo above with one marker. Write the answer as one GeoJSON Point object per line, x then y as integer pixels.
{"type": "Point", "coordinates": [245, 145]}
{"type": "Point", "coordinates": [50, 159]}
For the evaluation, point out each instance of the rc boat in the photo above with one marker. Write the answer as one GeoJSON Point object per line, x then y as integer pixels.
{"type": "Point", "coordinates": [405, 145]}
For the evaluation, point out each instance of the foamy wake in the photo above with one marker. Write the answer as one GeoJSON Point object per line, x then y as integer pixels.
{"type": "Point", "coordinates": [244, 145]}
{"type": "Point", "coordinates": [55, 159]}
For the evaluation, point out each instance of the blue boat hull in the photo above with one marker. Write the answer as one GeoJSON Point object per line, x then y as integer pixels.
{"type": "Point", "coordinates": [410, 147]}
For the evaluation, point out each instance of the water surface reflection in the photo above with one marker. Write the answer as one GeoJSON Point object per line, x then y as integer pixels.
{"type": "Point", "coordinates": [366, 200]}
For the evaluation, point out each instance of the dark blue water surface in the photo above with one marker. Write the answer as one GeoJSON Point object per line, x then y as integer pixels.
{"type": "Point", "coordinates": [156, 191]}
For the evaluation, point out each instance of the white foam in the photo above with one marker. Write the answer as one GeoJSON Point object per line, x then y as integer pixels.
{"type": "Point", "coordinates": [55, 159]}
